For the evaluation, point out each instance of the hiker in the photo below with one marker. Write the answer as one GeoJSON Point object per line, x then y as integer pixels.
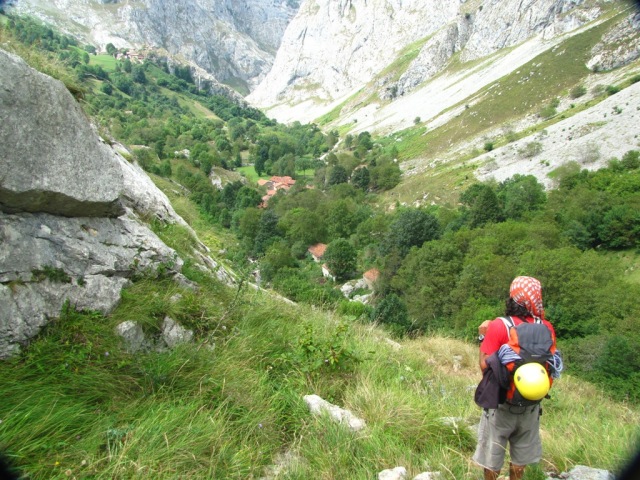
{"type": "Point", "coordinates": [503, 422]}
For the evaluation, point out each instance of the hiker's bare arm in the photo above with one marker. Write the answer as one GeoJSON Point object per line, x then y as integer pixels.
{"type": "Point", "coordinates": [482, 330]}
{"type": "Point", "coordinates": [483, 361]}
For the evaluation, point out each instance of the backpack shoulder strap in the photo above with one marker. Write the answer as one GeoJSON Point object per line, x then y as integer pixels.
{"type": "Point", "coordinates": [508, 323]}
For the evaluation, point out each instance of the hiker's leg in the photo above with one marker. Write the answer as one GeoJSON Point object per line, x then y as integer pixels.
{"type": "Point", "coordinates": [491, 448]}
{"type": "Point", "coordinates": [516, 472]}
{"type": "Point", "coordinates": [490, 474]}
{"type": "Point", "coordinates": [525, 444]}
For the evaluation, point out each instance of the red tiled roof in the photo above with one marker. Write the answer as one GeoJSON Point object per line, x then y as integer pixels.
{"type": "Point", "coordinates": [317, 250]}
{"type": "Point", "coordinates": [262, 182]}
{"type": "Point", "coordinates": [372, 274]}
{"type": "Point", "coordinates": [283, 180]}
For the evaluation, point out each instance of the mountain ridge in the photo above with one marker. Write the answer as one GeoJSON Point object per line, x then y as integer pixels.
{"type": "Point", "coordinates": [235, 41]}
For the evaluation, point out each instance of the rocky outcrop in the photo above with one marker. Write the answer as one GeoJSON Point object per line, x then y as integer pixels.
{"type": "Point", "coordinates": [135, 341]}
{"type": "Point", "coordinates": [620, 46]}
{"type": "Point", "coordinates": [234, 40]}
{"type": "Point", "coordinates": [69, 209]}
{"type": "Point", "coordinates": [319, 406]}
{"type": "Point", "coordinates": [580, 472]}
{"type": "Point", "coordinates": [333, 47]}
{"type": "Point", "coordinates": [43, 138]}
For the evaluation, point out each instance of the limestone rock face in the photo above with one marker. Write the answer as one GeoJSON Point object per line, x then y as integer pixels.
{"type": "Point", "coordinates": [69, 210]}
{"type": "Point", "coordinates": [332, 49]}
{"type": "Point", "coordinates": [47, 260]}
{"type": "Point", "coordinates": [43, 138]}
{"type": "Point", "coordinates": [235, 40]}
{"type": "Point", "coordinates": [618, 47]}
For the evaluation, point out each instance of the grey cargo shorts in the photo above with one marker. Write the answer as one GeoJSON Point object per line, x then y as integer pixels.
{"type": "Point", "coordinates": [517, 426]}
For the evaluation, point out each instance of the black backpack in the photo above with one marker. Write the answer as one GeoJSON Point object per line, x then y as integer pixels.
{"type": "Point", "coordinates": [532, 342]}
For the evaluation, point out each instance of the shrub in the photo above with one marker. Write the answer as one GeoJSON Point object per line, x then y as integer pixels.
{"type": "Point", "coordinates": [612, 89]}
{"type": "Point", "coordinates": [631, 160]}
{"type": "Point", "coordinates": [511, 136]}
{"type": "Point", "coordinates": [578, 91]}
{"type": "Point", "coordinates": [531, 149]}
{"type": "Point", "coordinates": [488, 146]}
{"type": "Point", "coordinates": [547, 111]}
{"type": "Point", "coordinates": [354, 309]}
{"type": "Point", "coordinates": [393, 312]}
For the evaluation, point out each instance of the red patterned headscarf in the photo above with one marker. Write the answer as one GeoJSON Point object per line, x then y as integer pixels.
{"type": "Point", "coordinates": [527, 292]}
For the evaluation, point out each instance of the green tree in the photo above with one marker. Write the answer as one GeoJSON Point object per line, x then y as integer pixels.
{"type": "Point", "coordinates": [631, 160]}
{"type": "Point", "coordinates": [483, 203]}
{"type": "Point", "coordinates": [364, 141]}
{"type": "Point", "coordinates": [247, 224]}
{"type": "Point", "coordinates": [360, 178]}
{"type": "Point", "coordinates": [106, 88]}
{"type": "Point", "coordinates": [338, 175]}
{"type": "Point", "coordinates": [385, 175]}
{"type": "Point", "coordinates": [411, 228]}
{"type": "Point", "coordinates": [303, 225]}
{"type": "Point", "coordinates": [268, 231]}
{"type": "Point", "coordinates": [620, 227]}
{"type": "Point", "coordinates": [340, 257]}
{"type": "Point", "coordinates": [111, 49]}
{"type": "Point", "coordinates": [426, 279]}
{"type": "Point", "coordinates": [277, 257]}
{"type": "Point", "coordinates": [341, 218]}
{"type": "Point", "coordinates": [392, 311]}
{"type": "Point", "coordinates": [304, 164]}
{"type": "Point", "coordinates": [521, 195]}
{"type": "Point", "coordinates": [247, 197]}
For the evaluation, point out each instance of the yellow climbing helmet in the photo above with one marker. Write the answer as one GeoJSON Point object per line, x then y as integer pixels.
{"type": "Point", "coordinates": [532, 381]}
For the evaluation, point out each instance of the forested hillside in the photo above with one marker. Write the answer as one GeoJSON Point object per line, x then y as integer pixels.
{"type": "Point", "coordinates": [443, 268]}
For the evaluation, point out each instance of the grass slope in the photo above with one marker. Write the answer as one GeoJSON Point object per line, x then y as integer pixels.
{"type": "Point", "coordinates": [76, 404]}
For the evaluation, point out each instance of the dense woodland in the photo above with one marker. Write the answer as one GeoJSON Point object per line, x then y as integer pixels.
{"type": "Point", "coordinates": [444, 268]}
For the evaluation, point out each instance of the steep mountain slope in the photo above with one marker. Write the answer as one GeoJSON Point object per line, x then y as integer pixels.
{"type": "Point", "coordinates": [331, 50]}
{"type": "Point", "coordinates": [234, 40]}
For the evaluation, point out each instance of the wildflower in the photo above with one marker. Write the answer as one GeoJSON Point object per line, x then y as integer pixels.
{"type": "Point", "coordinates": [259, 425]}
{"type": "Point", "coordinates": [106, 354]}
{"type": "Point", "coordinates": [67, 473]}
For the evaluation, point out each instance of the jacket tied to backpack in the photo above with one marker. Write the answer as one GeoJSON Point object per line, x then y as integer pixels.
{"type": "Point", "coordinates": [528, 342]}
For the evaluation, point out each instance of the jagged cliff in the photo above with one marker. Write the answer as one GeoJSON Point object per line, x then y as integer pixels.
{"type": "Point", "coordinates": [234, 40]}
